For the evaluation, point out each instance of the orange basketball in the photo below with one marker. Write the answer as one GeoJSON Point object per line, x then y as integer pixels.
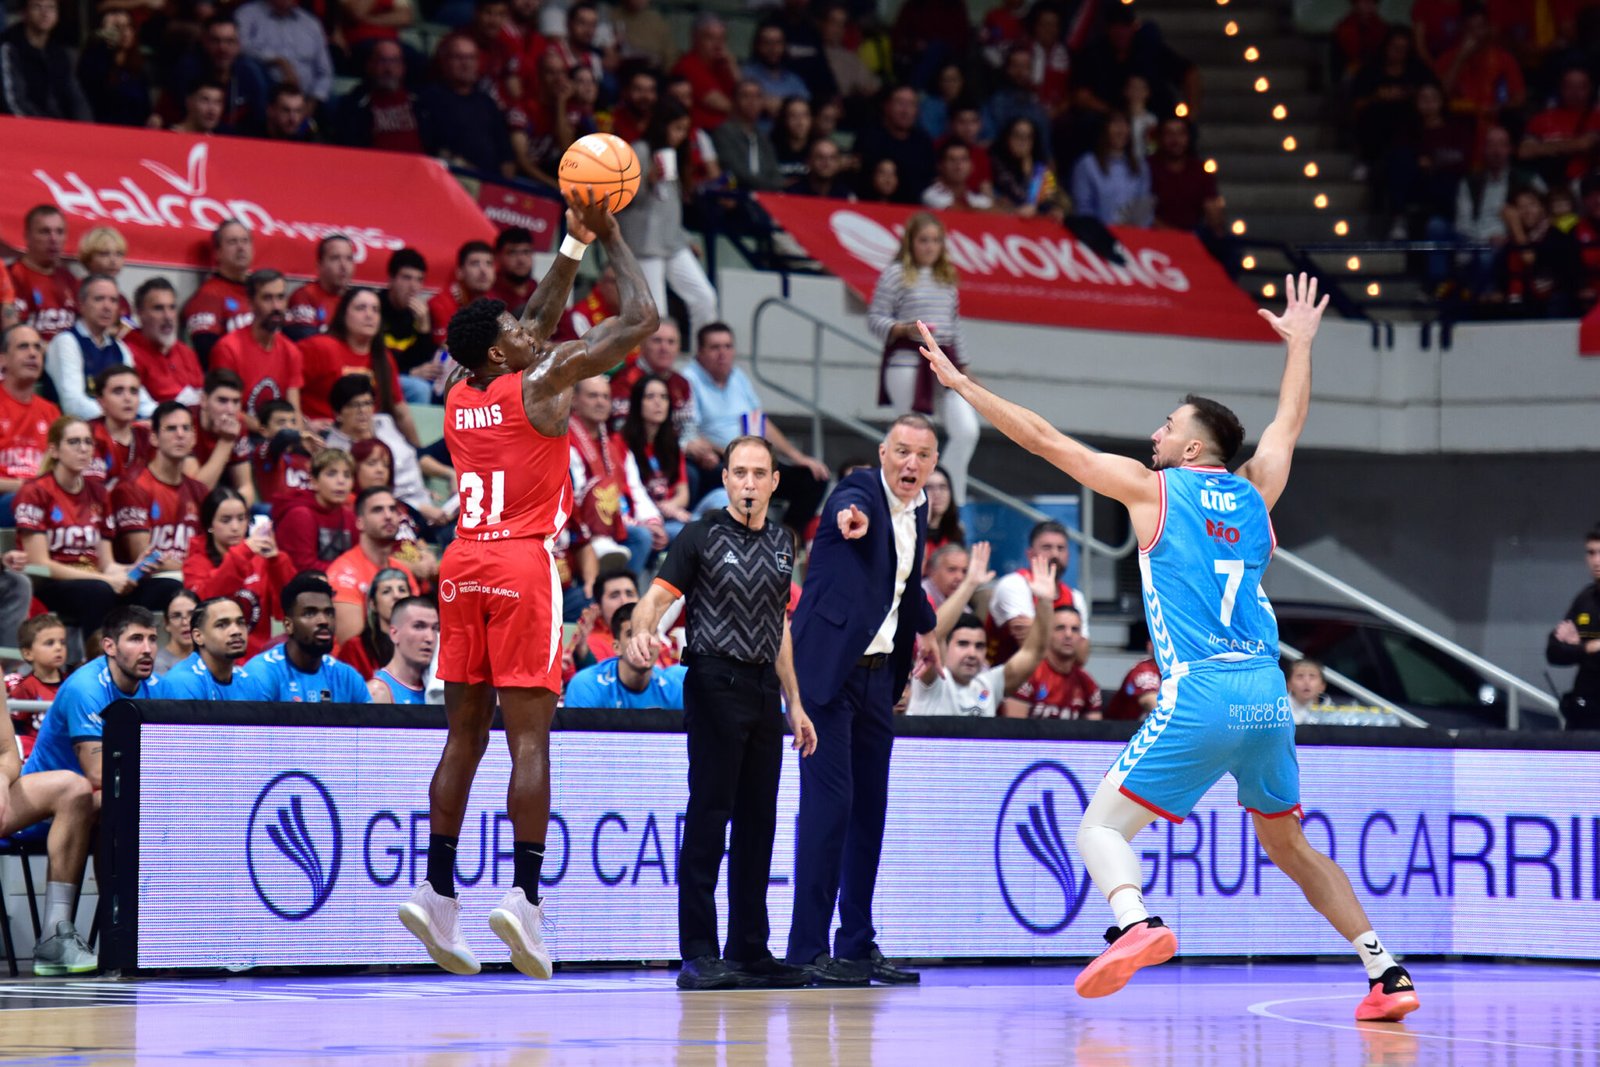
{"type": "Point", "coordinates": [604, 161]}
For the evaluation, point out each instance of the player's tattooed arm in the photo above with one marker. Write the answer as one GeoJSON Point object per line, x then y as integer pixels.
{"type": "Point", "coordinates": [88, 753]}
{"type": "Point", "coordinates": [587, 219]}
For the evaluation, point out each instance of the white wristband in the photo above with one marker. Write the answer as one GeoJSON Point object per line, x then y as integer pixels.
{"type": "Point", "coordinates": [573, 248]}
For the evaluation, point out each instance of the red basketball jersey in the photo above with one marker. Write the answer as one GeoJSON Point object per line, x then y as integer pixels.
{"type": "Point", "coordinates": [513, 480]}
{"type": "Point", "coordinates": [112, 459]}
{"type": "Point", "coordinates": [73, 523]}
{"type": "Point", "coordinates": [142, 502]}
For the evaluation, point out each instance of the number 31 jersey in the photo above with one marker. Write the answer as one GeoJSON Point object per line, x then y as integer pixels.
{"type": "Point", "coordinates": [512, 479]}
{"type": "Point", "coordinates": [1202, 570]}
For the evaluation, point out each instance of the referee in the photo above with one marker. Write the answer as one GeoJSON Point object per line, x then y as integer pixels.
{"type": "Point", "coordinates": [734, 569]}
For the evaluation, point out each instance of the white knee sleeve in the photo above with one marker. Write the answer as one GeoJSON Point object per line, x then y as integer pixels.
{"type": "Point", "coordinates": [1110, 823]}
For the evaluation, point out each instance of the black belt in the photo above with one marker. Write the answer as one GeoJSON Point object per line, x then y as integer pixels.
{"type": "Point", "coordinates": [874, 661]}
{"type": "Point", "coordinates": [708, 659]}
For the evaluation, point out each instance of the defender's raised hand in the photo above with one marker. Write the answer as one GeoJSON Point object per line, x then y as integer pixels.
{"type": "Point", "coordinates": [1302, 312]}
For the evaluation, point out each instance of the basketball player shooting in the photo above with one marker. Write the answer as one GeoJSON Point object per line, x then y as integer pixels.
{"type": "Point", "coordinates": [499, 597]}
{"type": "Point", "coordinates": [1205, 539]}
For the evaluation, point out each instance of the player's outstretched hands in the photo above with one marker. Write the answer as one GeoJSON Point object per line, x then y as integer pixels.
{"type": "Point", "coordinates": [1042, 581]}
{"type": "Point", "coordinates": [1302, 312]}
{"type": "Point", "coordinates": [805, 734]}
{"type": "Point", "coordinates": [589, 215]}
{"type": "Point", "coordinates": [852, 523]}
{"type": "Point", "coordinates": [948, 373]}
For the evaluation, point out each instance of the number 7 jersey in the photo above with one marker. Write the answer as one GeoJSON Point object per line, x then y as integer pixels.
{"type": "Point", "coordinates": [1202, 570]}
{"type": "Point", "coordinates": [513, 480]}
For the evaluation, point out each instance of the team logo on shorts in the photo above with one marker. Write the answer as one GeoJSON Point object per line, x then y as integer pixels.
{"type": "Point", "coordinates": [293, 844]}
{"type": "Point", "coordinates": [1041, 887]}
{"type": "Point", "coordinates": [447, 590]}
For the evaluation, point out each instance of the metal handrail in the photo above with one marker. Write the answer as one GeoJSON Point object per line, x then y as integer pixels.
{"type": "Point", "coordinates": [1508, 681]}
{"type": "Point", "coordinates": [819, 326]}
{"type": "Point", "coordinates": [1354, 688]}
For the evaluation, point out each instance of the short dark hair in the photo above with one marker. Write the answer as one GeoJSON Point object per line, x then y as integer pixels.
{"type": "Point", "coordinates": [1593, 534]}
{"type": "Point", "coordinates": [708, 329]}
{"type": "Point", "coordinates": [1221, 424]}
{"type": "Point", "coordinates": [1048, 526]}
{"type": "Point", "coordinates": [623, 614]}
{"type": "Point", "coordinates": [749, 439]}
{"type": "Point", "coordinates": [30, 629]}
{"type": "Point", "coordinates": [259, 278]}
{"type": "Point", "coordinates": [473, 331]}
{"type": "Point", "coordinates": [116, 370]}
{"type": "Point", "coordinates": [278, 92]}
{"type": "Point", "coordinates": [94, 279]}
{"type": "Point", "coordinates": [368, 493]}
{"type": "Point", "coordinates": [272, 407]}
{"type": "Point", "coordinates": [12, 331]}
{"type": "Point", "coordinates": [198, 619]}
{"type": "Point", "coordinates": [151, 285]}
{"type": "Point", "coordinates": [952, 145]}
{"type": "Point", "coordinates": [512, 235]}
{"type": "Point", "coordinates": [348, 388]}
{"type": "Point", "coordinates": [405, 258]}
{"type": "Point", "coordinates": [1069, 607]}
{"type": "Point", "coordinates": [165, 410]}
{"type": "Point", "coordinates": [303, 584]}
{"type": "Point", "coordinates": [409, 602]}
{"type": "Point", "coordinates": [123, 618]}
{"type": "Point", "coordinates": [221, 378]}
{"type": "Point", "coordinates": [322, 245]}
{"type": "Point", "coordinates": [608, 576]}
{"type": "Point", "coordinates": [967, 621]}
{"type": "Point", "coordinates": [37, 212]}
{"type": "Point", "coordinates": [216, 234]}
{"type": "Point", "coordinates": [472, 248]}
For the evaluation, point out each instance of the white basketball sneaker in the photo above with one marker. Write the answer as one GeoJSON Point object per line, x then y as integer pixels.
{"type": "Point", "coordinates": [436, 921]}
{"type": "Point", "coordinates": [519, 924]}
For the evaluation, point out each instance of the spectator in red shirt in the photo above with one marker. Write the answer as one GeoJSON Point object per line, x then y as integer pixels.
{"type": "Point", "coordinates": [1136, 697]}
{"type": "Point", "coordinates": [318, 531]}
{"type": "Point", "coordinates": [43, 643]}
{"type": "Point", "coordinates": [46, 289]}
{"type": "Point", "coordinates": [1059, 687]}
{"type": "Point", "coordinates": [370, 649]}
{"type": "Point", "coordinates": [378, 516]}
{"type": "Point", "coordinates": [240, 562]}
{"type": "Point", "coordinates": [156, 509]}
{"type": "Point", "coordinates": [120, 443]}
{"type": "Point", "coordinates": [546, 122]}
{"type": "Point", "coordinates": [169, 369]}
{"type": "Point", "coordinates": [352, 346]}
{"type": "Point", "coordinates": [311, 306]}
{"type": "Point", "coordinates": [966, 126]}
{"type": "Point", "coordinates": [25, 418]}
{"type": "Point", "coordinates": [222, 303]}
{"type": "Point", "coordinates": [631, 117]}
{"type": "Point", "coordinates": [1359, 36]}
{"type": "Point", "coordinates": [1186, 196]}
{"type": "Point", "coordinates": [369, 23]}
{"type": "Point", "coordinates": [514, 282]}
{"type": "Point", "coordinates": [474, 279]}
{"type": "Point", "coordinates": [711, 72]}
{"type": "Point", "coordinates": [280, 457]}
{"type": "Point", "coordinates": [221, 446]}
{"type": "Point", "coordinates": [648, 432]}
{"type": "Point", "coordinates": [64, 526]}
{"type": "Point", "coordinates": [269, 364]}
{"type": "Point", "coordinates": [658, 357]}
{"type": "Point", "coordinates": [1561, 141]}
{"type": "Point", "coordinates": [380, 112]}
{"type": "Point", "coordinates": [1480, 78]}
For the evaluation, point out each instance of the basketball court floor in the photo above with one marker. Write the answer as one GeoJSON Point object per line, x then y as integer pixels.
{"type": "Point", "coordinates": [1231, 1015]}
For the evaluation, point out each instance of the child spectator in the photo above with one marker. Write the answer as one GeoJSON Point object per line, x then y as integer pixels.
{"type": "Point", "coordinates": [318, 531]}
{"type": "Point", "coordinates": [43, 640]}
{"type": "Point", "coordinates": [280, 456]}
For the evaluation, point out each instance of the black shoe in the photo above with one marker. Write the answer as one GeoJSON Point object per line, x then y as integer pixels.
{"type": "Point", "coordinates": [707, 972]}
{"type": "Point", "coordinates": [771, 973]}
{"type": "Point", "coordinates": [830, 970]}
{"type": "Point", "coordinates": [887, 973]}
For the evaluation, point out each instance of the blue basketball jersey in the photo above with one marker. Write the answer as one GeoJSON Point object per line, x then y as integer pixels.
{"type": "Point", "coordinates": [1202, 571]}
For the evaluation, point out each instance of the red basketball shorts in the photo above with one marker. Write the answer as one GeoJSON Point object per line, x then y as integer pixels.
{"type": "Point", "coordinates": [500, 614]}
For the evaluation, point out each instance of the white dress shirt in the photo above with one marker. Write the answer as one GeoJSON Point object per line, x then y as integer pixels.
{"type": "Point", "coordinates": [903, 517]}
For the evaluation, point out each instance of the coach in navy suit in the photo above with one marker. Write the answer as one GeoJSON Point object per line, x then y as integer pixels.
{"type": "Point", "coordinates": [861, 611]}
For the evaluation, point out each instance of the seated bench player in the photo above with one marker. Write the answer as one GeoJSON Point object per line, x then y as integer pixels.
{"type": "Point", "coordinates": [212, 671]}
{"type": "Point", "coordinates": [301, 670]}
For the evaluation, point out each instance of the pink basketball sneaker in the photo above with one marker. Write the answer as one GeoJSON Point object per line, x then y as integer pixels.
{"type": "Point", "coordinates": [1391, 998]}
{"type": "Point", "coordinates": [1143, 944]}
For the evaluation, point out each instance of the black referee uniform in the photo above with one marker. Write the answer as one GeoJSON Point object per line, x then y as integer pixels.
{"type": "Point", "coordinates": [736, 584]}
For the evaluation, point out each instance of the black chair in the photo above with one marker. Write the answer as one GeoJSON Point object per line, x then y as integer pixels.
{"type": "Point", "coordinates": [23, 850]}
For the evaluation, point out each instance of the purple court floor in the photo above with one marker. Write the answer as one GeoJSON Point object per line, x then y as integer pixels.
{"type": "Point", "coordinates": [1185, 1015]}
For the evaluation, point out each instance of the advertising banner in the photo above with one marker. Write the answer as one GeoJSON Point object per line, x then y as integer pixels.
{"type": "Point", "coordinates": [1036, 271]}
{"type": "Point", "coordinates": [166, 192]}
{"type": "Point", "coordinates": [265, 845]}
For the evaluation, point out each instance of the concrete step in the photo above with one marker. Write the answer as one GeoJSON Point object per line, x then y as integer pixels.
{"type": "Point", "coordinates": [1200, 18]}
{"type": "Point", "coordinates": [1240, 105]}
{"type": "Point", "coordinates": [1220, 50]}
{"type": "Point", "coordinates": [1238, 164]}
{"type": "Point", "coordinates": [1225, 135]}
{"type": "Point", "coordinates": [1240, 77]}
{"type": "Point", "coordinates": [1343, 196]}
{"type": "Point", "coordinates": [1299, 226]}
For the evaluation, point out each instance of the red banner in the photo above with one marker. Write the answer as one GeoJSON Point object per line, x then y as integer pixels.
{"type": "Point", "coordinates": [166, 192]}
{"type": "Point", "coordinates": [507, 207]}
{"type": "Point", "coordinates": [1035, 271]}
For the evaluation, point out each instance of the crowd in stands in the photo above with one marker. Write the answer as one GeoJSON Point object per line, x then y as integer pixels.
{"type": "Point", "coordinates": [1477, 123]}
{"type": "Point", "coordinates": [1034, 108]}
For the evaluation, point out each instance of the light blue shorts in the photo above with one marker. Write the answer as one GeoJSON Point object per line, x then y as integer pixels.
{"type": "Point", "coordinates": [1214, 719]}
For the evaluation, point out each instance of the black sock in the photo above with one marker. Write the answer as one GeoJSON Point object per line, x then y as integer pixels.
{"type": "Point", "coordinates": [442, 863]}
{"type": "Point", "coordinates": [527, 857]}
